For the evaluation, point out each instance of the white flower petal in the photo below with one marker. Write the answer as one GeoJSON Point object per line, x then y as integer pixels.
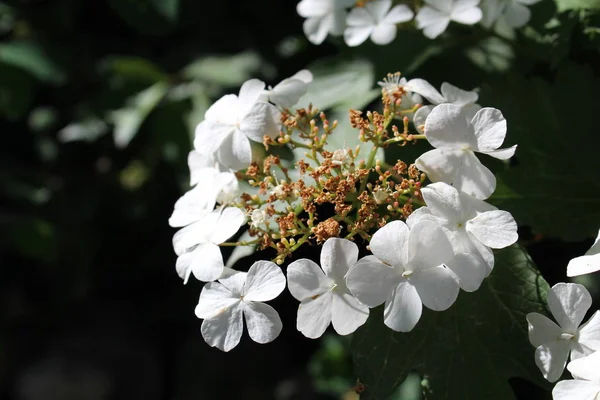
{"type": "Point", "coordinates": [467, 16]}
{"type": "Point", "coordinates": [191, 235]}
{"type": "Point", "coordinates": [433, 23]}
{"type": "Point", "coordinates": [287, 93]}
{"type": "Point", "coordinates": [347, 313]}
{"type": "Point", "coordinates": [425, 89]}
{"type": "Point", "coordinates": [588, 263]}
{"type": "Point", "coordinates": [235, 151]}
{"type": "Point", "coordinates": [542, 330]}
{"type": "Point", "coordinates": [457, 96]}
{"type": "Point", "coordinates": [516, 15]}
{"type": "Point", "coordinates": [495, 229]}
{"type": "Point", "coordinates": [447, 127]}
{"type": "Point", "coordinates": [474, 178]}
{"type": "Point", "coordinates": [398, 14]}
{"type": "Point", "coordinates": [371, 281]}
{"type": "Point", "coordinates": [337, 22]}
{"type": "Point", "coordinates": [403, 309]}
{"type": "Point", "coordinates": [234, 281]}
{"type": "Point", "coordinates": [420, 117]}
{"type": "Point", "coordinates": [551, 359]}
{"type": "Point", "coordinates": [259, 123]}
{"type": "Point", "coordinates": [303, 75]}
{"type": "Point", "coordinates": [264, 281]}
{"type": "Point", "coordinates": [205, 261]}
{"type": "Point", "coordinates": [224, 331]}
{"type": "Point", "coordinates": [224, 110]}
{"type": "Point", "coordinates": [444, 6]}
{"type": "Point", "coordinates": [262, 321]}
{"type": "Point", "coordinates": [502, 154]}
{"type": "Point", "coordinates": [250, 92]}
{"type": "Point", "coordinates": [360, 17]}
{"type": "Point", "coordinates": [589, 333]}
{"type": "Point", "coordinates": [489, 127]}
{"type": "Point", "coordinates": [470, 270]}
{"type": "Point", "coordinates": [443, 201]}
{"type": "Point", "coordinates": [383, 34]}
{"type": "Point", "coordinates": [210, 135]}
{"type": "Point", "coordinates": [215, 299]}
{"type": "Point", "coordinates": [306, 279]}
{"type": "Point", "coordinates": [337, 257]}
{"type": "Point", "coordinates": [192, 206]}
{"type": "Point", "coordinates": [575, 389]}
{"type": "Point", "coordinates": [420, 214]}
{"type": "Point", "coordinates": [586, 368]}
{"type": "Point", "coordinates": [568, 303]}
{"type": "Point", "coordinates": [379, 8]}
{"type": "Point", "coordinates": [356, 35]}
{"type": "Point", "coordinates": [311, 8]}
{"type": "Point", "coordinates": [390, 243]}
{"type": "Point", "coordinates": [437, 287]}
{"type": "Point", "coordinates": [428, 246]}
{"type": "Point", "coordinates": [316, 29]}
{"type": "Point", "coordinates": [314, 315]}
{"type": "Point", "coordinates": [229, 222]}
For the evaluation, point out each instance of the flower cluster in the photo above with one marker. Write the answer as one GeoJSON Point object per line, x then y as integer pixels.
{"type": "Point", "coordinates": [427, 242]}
{"type": "Point", "coordinates": [377, 20]}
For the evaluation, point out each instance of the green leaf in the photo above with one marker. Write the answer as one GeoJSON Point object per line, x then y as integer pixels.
{"type": "Point", "coordinates": [555, 186]}
{"type": "Point", "coordinates": [224, 70]}
{"type": "Point", "coordinates": [134, 68]}
{"type": "Point", "coordinates": [30, 57]}
{"type": "Point", "coordinates": [467, 352]}
{"type": "Point", "coordinates": [565, 5]}
{"type": "Point", "coordinates": [168, 8]}
{"type": "Point", "coordinates": [17, 90]}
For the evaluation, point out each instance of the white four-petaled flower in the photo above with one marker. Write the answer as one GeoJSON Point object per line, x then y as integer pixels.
{"type": "Point", "coordinates": [586, 385]}
{"type": "Point", "coordinates": [587, 263]}
{"type": "Point", "coordinates": [233, 121]}
{"type": "Point", "coordinates": [407, 270]}
{"type": "Point", "coordinates": [568, 303]}
{"type": "Point", "coordinates": [323, 293]}
{"type": "Point", "coordinates": [456, 138]}
{"type": "Point", "coordinates": [323, 17]}
{"type": "Point", "coordinates": [474, 227]}
{"type": "Point", "coordinates": [197, 244]}
{"type": "Point", "coordinates": [225, 303]}
{"type": "Point", "coordinates": [435, 16]}
{"type": "Point", "coordinates": [375, 20]}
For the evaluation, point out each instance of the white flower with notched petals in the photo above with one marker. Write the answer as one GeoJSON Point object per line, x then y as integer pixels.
{"type": "Point", "coordinates": [473, 226]}
{"type": "Point", "coordinates": [456, 138]}
{"type": "Point", "coordinates": [587, 263]}
{"type": "Point", "coordinates": [586, 386]}
{"type": "Point", "coordinates": [233, 121]}
{"type": "Point", "coordinates": [435, 16]}
{"type": "Point", "coordinates": [375, 20]}
{"type": "Point", "coordinates": [197, 244]}
{"type": "Point", "coordinates": [407, 270]}
{"type": "Point", "coordinates": [287, 92]}
{"type": "Point", "coordinates": [323, 17]}
{"type": "Point", "coordinates": [240, 295]}
{"type": "Point", "coordinates": [323, 293]}
{"type": "Point", "coordinates": [568, 303]}
{"type": "Point", "coordinates": [514, 13]}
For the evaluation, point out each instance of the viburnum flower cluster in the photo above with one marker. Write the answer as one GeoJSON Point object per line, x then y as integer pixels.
{"type": "Point", "coordinates": [426, 242]}
{"type": "Point", "coordinates": [378, 20]}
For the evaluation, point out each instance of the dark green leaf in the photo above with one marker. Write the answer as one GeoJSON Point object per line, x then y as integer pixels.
{"type": "Point", "coordinates": [555, 186]}
{"type": "Point", "coordinates": [17, 89]}
{"type": "Point", "coordinates": [30, 57]}
{"type": "Point", "coordinates": [134, 68]}
{"type": "Point", "coordinates": [467, 352]}
{"type": "Point", "coordinates": [564, 5]}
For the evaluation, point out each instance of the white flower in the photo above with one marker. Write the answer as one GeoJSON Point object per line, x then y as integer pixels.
{"type": "Point", "coordinates": [375, 20]}
{"type": "Point", "coordinates": [407, 270]}
{"type": "Point", "coordinates": [197, 244]}
{"type": "Point", "coordinates": [287, 92]}
{"type": "Point", "coordinates": [514, 12]}
{"type": "Point", "coordinates": [586, 386]}
{"type": "Point", "coordinates": [587, 263]}
{"type": "Point", "coordinates": [456, 138]}
{"type": "Point", "coordinates": [324, 296]}
{"type": "Point", "coordinates": [568, 303]}
{"type": "Point", "coordinates": [223, 303]}
{"type": "Point", "coordinates": [437, 14]}
{"type": "Point", "coordinates": [341, 157]}
{"type": "Point", "coordinates": [233, 121]}
{"type": "Point", "coordinates": [473, 225]}
{"type": "Point", "coordinates": [213, 186]}
{"type": "Point", "coordinates": [393, 83]}
{"type": "Point", "coordinates": [323, 17]}
{"type": "Point", "coordinates": [259, 217]}
{"type": "Point", "coordinates": [199, 162]}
